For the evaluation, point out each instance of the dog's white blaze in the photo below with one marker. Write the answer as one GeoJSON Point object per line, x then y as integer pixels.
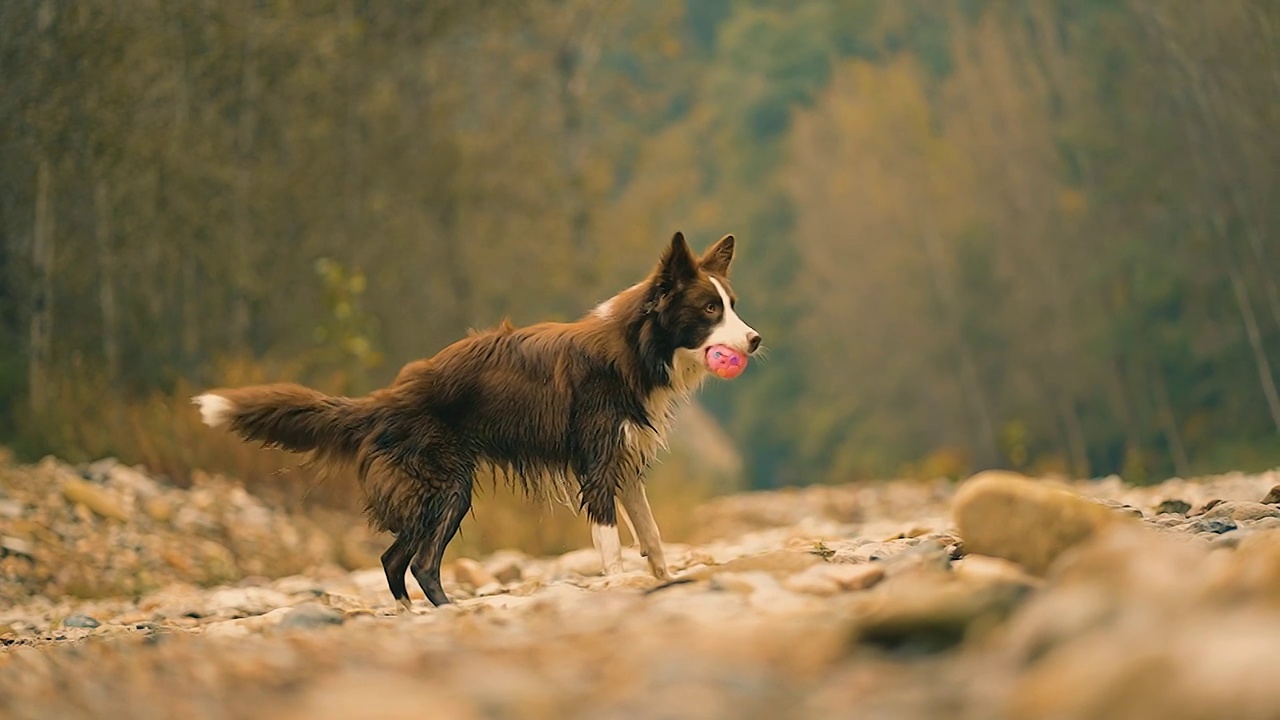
{"type": "Point", "coordinates": [731, 331]}
{"type": "Point", "coordinates": [215, 410]}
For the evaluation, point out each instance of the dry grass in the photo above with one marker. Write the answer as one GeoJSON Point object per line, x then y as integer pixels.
{"type": "Point", "coordinates": [164, 434]}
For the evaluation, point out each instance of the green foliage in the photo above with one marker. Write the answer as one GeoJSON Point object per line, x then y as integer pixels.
{"type": "Point", "coordinates": [345, 339]}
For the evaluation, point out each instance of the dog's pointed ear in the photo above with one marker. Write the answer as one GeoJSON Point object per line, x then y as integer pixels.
{"type": "Point", "coordinates": [677, 264]}
{"type": "Point", "coordinates": [717, 258]}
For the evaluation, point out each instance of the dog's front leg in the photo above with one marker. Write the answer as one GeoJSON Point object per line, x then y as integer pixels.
{"type": "Point", "coordinates": [608, 542]}
{"type": "Point", "coordinates": [636, 503]}
{"type": "Point", "coordinates": [609, 545]}
{"type": "Point", "coordinates": [622, 513]}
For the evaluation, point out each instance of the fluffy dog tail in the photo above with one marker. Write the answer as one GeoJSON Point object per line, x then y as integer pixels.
{"type": "Point", "coordinates": [291, 417]}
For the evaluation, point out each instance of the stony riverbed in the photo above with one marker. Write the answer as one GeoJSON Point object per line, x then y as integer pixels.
{"type": "Point", "coordinates": [999, 597]}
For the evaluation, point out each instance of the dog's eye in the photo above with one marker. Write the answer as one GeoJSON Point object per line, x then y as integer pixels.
{"type": "Point", "coordinates": [712, 307]}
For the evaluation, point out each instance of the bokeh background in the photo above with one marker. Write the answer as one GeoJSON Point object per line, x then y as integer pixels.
{"type": "Point", "coordinates": [1033, 235]}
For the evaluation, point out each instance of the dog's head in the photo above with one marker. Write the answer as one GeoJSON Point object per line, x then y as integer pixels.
{"type": "Point", "coordinates": [693, 303]}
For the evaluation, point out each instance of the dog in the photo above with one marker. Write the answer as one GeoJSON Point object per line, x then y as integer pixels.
{"type": "Point", "coordinates": [563, 408]}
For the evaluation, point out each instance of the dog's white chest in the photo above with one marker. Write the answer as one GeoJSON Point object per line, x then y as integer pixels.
{"type": "Point", "coordinates": [641, 443]}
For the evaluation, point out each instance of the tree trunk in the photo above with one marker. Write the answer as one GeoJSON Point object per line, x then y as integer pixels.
{"type": "Point", "coordinates": [352, 147]}
{"type": "Point", "coordinates": [1169, 423]}
{"type": "Point", "coordinates": [188, 257]}
{"type": "Point", "coordinates": [42, 259]}
{"type": "Point", "coordinates": [107, 271]}
{"type": "Point", "coordinates": [988, 452]}
{"type": "Point", "coordinates": [575, 57]}
{"type": "Point", "coordinates": [1114, 379]}
{"type": "Point", "coordinates": [242, 240]}
{"type": "Point", "coordinates": [1255, 343]}
{"type": "Point", "coordinates": [1076, 444]}
{"type": "Point", "coordinates": [1159, 27]}
{"type": "Point", "coordinates": [1199, 91]}
{"type": "Point", "coordinates": [190, 308]}
{"type": "Point", "coordinates": [1013, 137]}
{"type": "Point", "coordinates": [455, 265]}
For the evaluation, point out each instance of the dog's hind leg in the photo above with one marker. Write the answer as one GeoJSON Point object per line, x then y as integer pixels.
{"type": "Point", "coordinates": [636, 502]}
{"type": "Point", "coordinates": [395, 562]}
{"type": "Point", "coordinates": [441, 520]}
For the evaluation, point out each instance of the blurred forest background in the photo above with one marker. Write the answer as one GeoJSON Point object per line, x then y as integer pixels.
{"type": "Point", "coordinates": [1038, 235]}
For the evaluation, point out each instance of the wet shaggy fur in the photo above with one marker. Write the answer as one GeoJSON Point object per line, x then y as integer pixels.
{"type": "Point", "coordinates": [581, 406]}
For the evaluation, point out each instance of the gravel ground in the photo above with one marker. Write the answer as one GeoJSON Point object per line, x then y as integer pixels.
{"type": "Point", "coordinates": [999, 597]}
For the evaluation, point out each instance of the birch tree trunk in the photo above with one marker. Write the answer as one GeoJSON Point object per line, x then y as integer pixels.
{"type": "Point", "coordinates": [242, 263]}
{"type": "Point", "coordinates": [1169, 423]}
{"type": "Point", "coordinates": [107, 271]}
{"type": "Point", "coordinates": [42, 257]}
{"type": "Point", "coordinates": [577, 54]}
{"type": "Point", "coordinates": [966, 367]}
{"type": "Point", "coordinates": [1255, 343]}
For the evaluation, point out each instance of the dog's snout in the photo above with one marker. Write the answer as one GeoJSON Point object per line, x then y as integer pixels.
{"type": "Point", "coordinates": [753, 341]}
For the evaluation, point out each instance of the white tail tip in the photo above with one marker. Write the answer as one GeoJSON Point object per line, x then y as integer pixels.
{"type": "Point", "coordinates": [215, 410]}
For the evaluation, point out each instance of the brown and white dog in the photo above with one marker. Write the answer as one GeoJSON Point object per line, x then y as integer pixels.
{"type": "Point", "coordinates": [579, 407]}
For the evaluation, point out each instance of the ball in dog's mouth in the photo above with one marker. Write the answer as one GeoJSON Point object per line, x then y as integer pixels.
{"type": "Point", "coordinates": [725, 362]}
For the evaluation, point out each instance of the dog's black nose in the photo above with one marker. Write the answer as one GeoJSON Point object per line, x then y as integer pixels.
{"type": "Point", "coordinates": [754, 341]}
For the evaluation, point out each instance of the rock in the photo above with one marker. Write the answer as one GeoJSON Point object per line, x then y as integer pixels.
{"type": "Point", "coordinates": [471, 574]}
{"type": "Point", "coordinates": [1272, 496]}
{"type": "Point", "coordinates": [933, 610]}
{"type": "Point", "coordinates": [298, 585]}
{"type": "Point", "coordinates": [1179, 507]}
{"type": "Point", "coordinates": [344, 603]}
{"type": "Point", "coordinates": [928, 554]}
{"type": "Point", "coordinates": [1221, 667]}
{"type": "Point", "coordinates": [158, 509]}
{"type": "Point", "coordinates": [1230, 539]}
{"type": "Point", "coordinates": [16, 546]}
{"type": "Point", "coordinates": [245, 601]}
{"type": "Point", "coordinates": [311, 615]}
{"type": "Point", "coordinates": [96, 498]}
{"type": "Point", "coordinates": [133, 480]}
{"type": "Point", "coordinates": [855, 577]}
{"type": "Point", "coordinates": [831, 579]}
{"type": "Point", "coordinates": [1169, 520]}
{"type": "Point", "coordinates": [1208, 506]}
{"type": "Point", "coordinates": [777, 564]}
{"type": "Point", "coordinates": [985, 568]}
{"type": "Point", "coordinates": [239, 627]}
{"type": "Point", "coordinates": [80, 621]}
{"type": "Point", "coordinates": [506, 567]}
{"type": "Point", "coordinates": [1118, 506]}
{"type": "Point", "coordinates": [367, 693]}
{"type": "Point", "coordinates": [744, 582]}
{"type": "Point", "coordinates": [1253, 573]}
{"type": "Point", "coordinates": [1214, 526]}
{"type": "Point", "coordinates": [580, 562]}
{"type": "Point", "coordinates": [1242, 511]}
{"type": "Point", "coordinates": [1031, 523]}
